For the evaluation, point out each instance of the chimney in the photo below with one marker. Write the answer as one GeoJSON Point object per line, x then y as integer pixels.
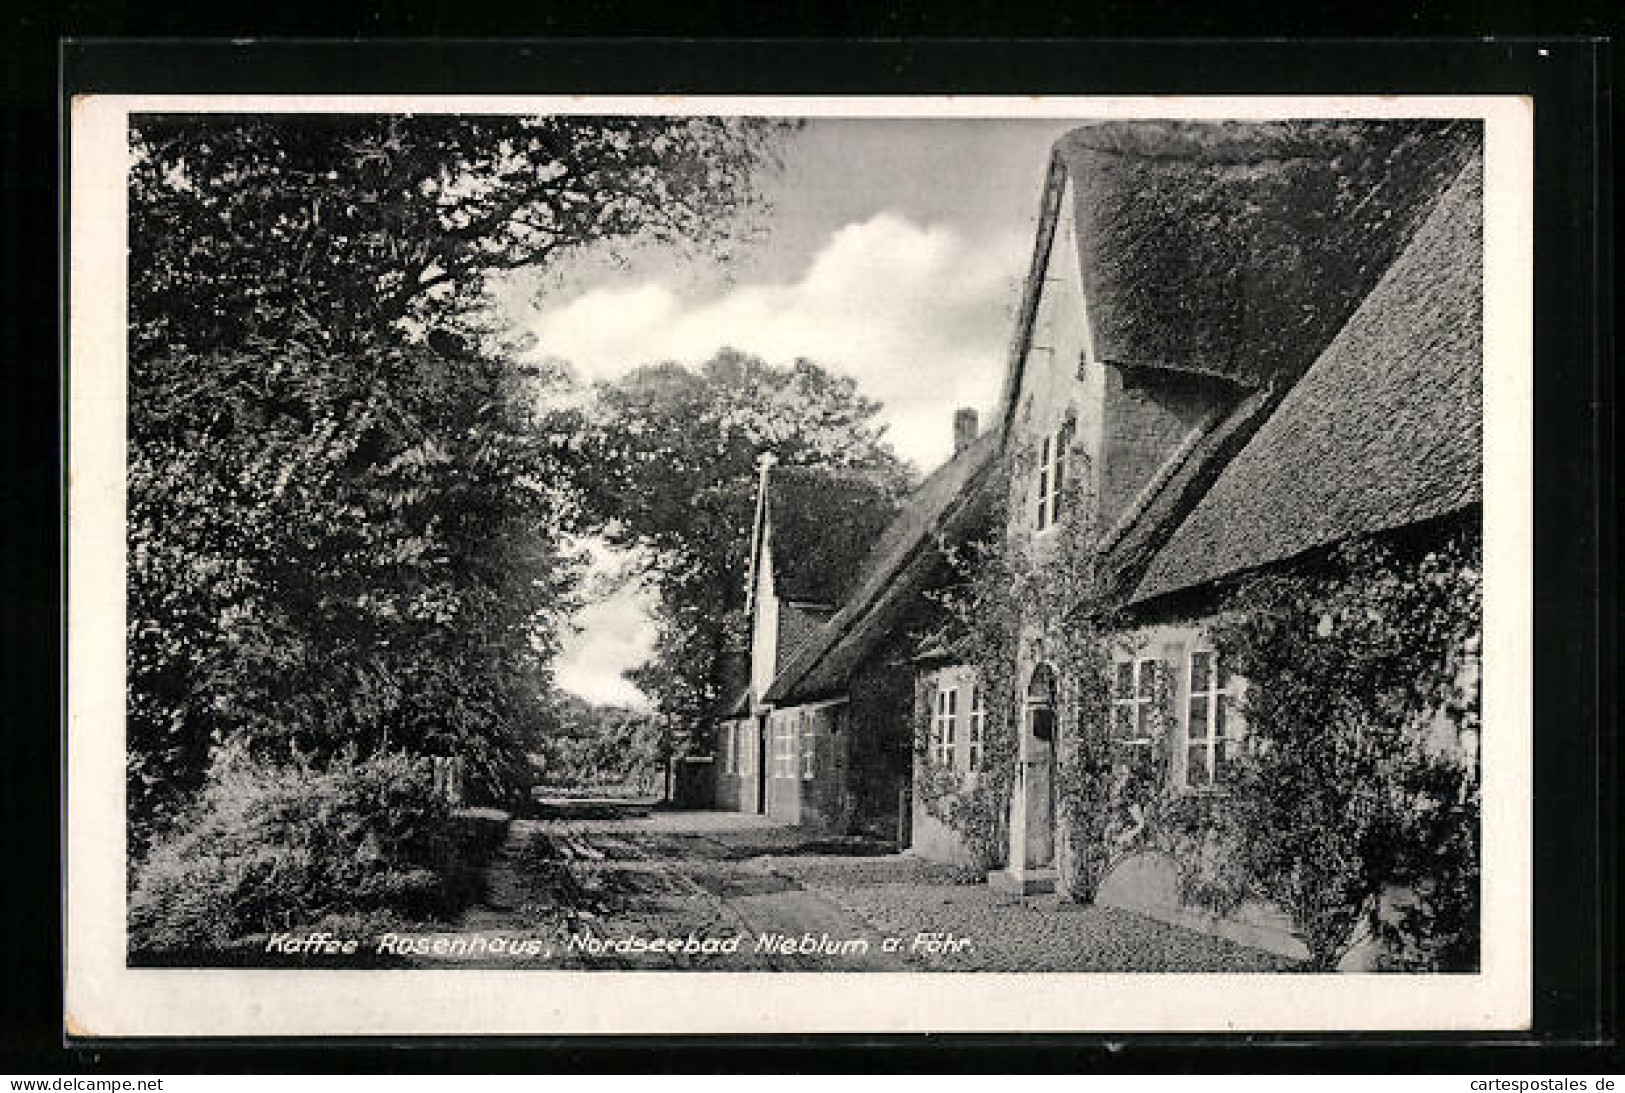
{"type": "Point", "coordinates": [964, 427]}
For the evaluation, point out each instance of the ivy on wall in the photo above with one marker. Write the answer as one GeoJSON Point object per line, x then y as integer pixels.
{"type": "Point", "coordinates": [1360, 774]}
{"type": "Point", "coordinates": [1024, 601]}
{"type": "Point", "coordinates": [1362, 771]}
{"type": "Point", "coordinates": [984, 620]}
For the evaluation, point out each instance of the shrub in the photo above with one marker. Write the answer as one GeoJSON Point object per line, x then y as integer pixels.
{"type": "Point", "coordinates": [1200, 834]}
{"type": "Point", "coordinates": [1361, 709]}
{"type": "Point", "coordinates": [977, 811]}
{"type": "Point", "coordinates": [282, 847]}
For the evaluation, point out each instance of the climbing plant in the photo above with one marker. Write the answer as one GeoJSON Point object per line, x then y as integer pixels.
{"type": "Point", "coordinates": [1362, 713]}
{"type": "Point", "coordinates": [983, 624]}
{"type": "Point", "coordinates": [1360, 773]}
{"type": "Point", "coordinates": [1032, 600]}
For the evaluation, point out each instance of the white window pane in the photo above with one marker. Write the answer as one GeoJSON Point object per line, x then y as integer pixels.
{"type": "Point", "coordinates": [1201, 671]}
{"type": "Point", "coordinates": [1125, 681]}
{"type": "Point", "coordinates": [1196, 765]}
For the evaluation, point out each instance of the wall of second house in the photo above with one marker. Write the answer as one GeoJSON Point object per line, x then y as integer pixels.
{"type": "Point", "coordinates": [930, 835]}
{"type": "Point", "coordinates": [784, 733]}
{"type": "Point", "coordinates": [737, 760]}
{"type": "Point", "coordinates": [880, 745]}
{"type": "Point", "coordinates": [1148, 882]}
{"type": "Point", "coordinates": [808, 781]}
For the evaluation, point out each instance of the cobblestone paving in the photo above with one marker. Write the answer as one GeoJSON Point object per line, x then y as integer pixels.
{"type": "Point", "coordinates": [973, 928]}
{"type": "Point", "coordinates": [575, 884]}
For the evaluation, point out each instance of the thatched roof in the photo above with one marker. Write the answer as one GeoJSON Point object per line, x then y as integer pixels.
{"type": "Point", "coordinates": [819, 523]}
{"type": "Point", "coordinates": [1235, 249]}
{"type": "Point", "coordinates": [890, 578]}
{"type": "Point", "coordinates": [1384, 430]}
{"type": "Point", "coordinates": [824, 522]}
{"type": "Point", "coordinates": [1243, 247]}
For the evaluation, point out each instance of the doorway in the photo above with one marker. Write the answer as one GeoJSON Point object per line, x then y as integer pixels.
{"type": "Point", "coordinates": [1038, 767]}
{"type": "Point", "coordinates": [761, 764]}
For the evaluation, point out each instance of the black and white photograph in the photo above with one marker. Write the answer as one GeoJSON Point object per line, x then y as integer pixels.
{"type": "Point", "coordinates": [929, 548]}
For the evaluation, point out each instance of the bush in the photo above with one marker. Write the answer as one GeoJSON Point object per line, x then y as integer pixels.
{"type": "Point", "coordinates": [977, 812]}
{"type": "Point", "coordinates": [1361, 775]}
{"type": "Point", "coordinates": [271, 848]}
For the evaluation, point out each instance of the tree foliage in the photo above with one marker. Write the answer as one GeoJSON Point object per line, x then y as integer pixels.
{"type": "Point", "coordinates": [677, 450]}
{"type": "Point", "coordinates": [1362, 720]}
{"type": "Point", "coordinates": [345, 509]}
{"type": "Point", "coordinates": [331, 551]}
{"type": "Point", "coordinates": [338, 225]}
{"type": "Point", "coordinates": [579, 743]}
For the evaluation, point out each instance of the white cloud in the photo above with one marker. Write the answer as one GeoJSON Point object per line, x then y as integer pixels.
{"type": "Point", "coordinates": [611, 633]}
{"type": "Point", "coordinates": [916, 313]}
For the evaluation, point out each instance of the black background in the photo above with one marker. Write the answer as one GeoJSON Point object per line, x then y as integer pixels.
{"type": "Point", "coordinates": [1576, 765]}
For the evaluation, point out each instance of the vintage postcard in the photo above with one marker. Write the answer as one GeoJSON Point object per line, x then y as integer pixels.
{"type": "Point", "coordinates": [680, 565]}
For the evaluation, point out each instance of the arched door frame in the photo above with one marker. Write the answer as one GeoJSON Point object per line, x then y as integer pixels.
{"type": "Point", "coordinates": [1041, 720]}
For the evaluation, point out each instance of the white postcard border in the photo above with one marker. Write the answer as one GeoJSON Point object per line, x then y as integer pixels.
{"type": "Point", "coordinates": [105, 998]}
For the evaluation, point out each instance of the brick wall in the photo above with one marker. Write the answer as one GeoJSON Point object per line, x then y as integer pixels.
{"type": "Point", "coordinates": [881, 744]}
{"type": "Point", "coordinates": [1148, 417]}
{"type": "Point", "coordinates": [826, 797]}
{"type": "Point", "coordinates": [736, 788]}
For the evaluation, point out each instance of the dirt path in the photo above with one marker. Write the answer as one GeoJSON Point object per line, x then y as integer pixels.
{"type": "Point", "coordinates": [598, 885]}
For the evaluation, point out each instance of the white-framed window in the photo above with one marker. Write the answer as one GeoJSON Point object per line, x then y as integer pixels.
{"type": "Point", "coordinates": [976, 736]}
{"type": "Point", "coordinates": [1212, 730]}
{"type": "Point", "coordinates": [784, 747]}
{"type": "Point", "coordinates": [745, 736]}
{"type": "Point", "coordinates": [943, 725]}
{"type": "Point", "coordinates": [1134, 698]}
{"type": "Point", "coordinates": [1051, 494]}
{"type": "Point", "coordinates": [730, 754]}
{"type": "Point", "coordinates": [809, 744]}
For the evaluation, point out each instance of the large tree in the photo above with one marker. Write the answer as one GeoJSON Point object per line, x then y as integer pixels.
{"type": "Point", "coordinates": [345, 509]}
{"type": "Point", "coordinates": [677, 452]}
{"type": "Point", "coordinates": [338, 225]}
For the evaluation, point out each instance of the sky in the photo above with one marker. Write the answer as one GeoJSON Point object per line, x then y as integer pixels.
{"type": "Point", "coordinates": [893, 253]}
